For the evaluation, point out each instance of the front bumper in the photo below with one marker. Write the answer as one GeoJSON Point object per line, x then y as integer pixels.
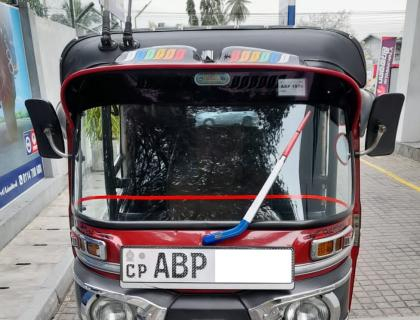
{"type": "Point", "coordinates": [205, 306]}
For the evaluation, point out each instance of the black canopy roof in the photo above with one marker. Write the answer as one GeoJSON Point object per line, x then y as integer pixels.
{"type": "Point", "coordinates": [316, 47]}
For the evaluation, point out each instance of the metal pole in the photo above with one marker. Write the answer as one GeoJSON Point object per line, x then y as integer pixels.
{"type": "Point", "coordinates": [291, 13]}
{"type": "Point", "coordinates": [71, 7]}
{"type": "Point", "coordinates": [108, 154]}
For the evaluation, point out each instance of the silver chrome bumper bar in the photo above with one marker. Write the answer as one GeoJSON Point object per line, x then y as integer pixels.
{"type": "Point", "coordinates": [332, 287]}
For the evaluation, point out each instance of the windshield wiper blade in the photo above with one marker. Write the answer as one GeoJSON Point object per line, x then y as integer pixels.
{"type": "Point", "coordinates": [236, 231]}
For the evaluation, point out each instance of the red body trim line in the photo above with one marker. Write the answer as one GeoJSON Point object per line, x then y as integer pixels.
{"type": "Point", "coordinates": [213, 198]}
{"type": "Point", "coordinates": [300, 240]}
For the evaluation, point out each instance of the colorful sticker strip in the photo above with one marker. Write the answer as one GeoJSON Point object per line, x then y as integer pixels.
{"type": "Point", "coordinates": [158, 54]}
{"type": "Point", "coordinates": [252, 55]}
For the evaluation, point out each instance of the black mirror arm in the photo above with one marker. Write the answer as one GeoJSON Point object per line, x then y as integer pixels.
{"type": "Point", "coordinates": [48, 134]}
{"type": "Point", "coordinates": [379, 134]}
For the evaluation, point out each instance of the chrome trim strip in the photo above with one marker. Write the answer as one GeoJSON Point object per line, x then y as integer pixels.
{"type": "Point", "coordinates": [100, 243]}
{"type": "Point", "coordinates": [317, 242]}
{"type": "Point", "coordinates": [333, 305]}
{"type": "Point", "coordinates": [356, 228]}
{"type": "Point", "coordinates": [109, 267]}
{"type": "Point", "coordinates": [320, 265]}
{"type": "Point", "coordinates": [257, 313]}
{"type": "Point", "coordinates": [300, 269]}
{"type": "Point", "coordinates": [208, 286]}
{"type": "Point", "coordinates": [134, 300]}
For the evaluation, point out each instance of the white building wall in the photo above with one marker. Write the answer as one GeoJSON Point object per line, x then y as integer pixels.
{"type": "Point", "coordinates": [49, 39]}
{"type": "Point", "coordinates": [409, 75]}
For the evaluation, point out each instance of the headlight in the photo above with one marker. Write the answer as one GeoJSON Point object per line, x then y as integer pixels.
{"type": "Point", "coordinates": [307, 309]}
{"type": "Point", "coordinates": [325, 307]}
{"type": "Point", "coordinates": [109, 309]}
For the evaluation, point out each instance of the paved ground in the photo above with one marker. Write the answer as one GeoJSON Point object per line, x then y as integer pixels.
{"type": "Point", "coordinates": [68, 309]}
{"type": "Point", "coordinates": [388, 277]}
{"type": "Point", "coordinates": [33, 263]}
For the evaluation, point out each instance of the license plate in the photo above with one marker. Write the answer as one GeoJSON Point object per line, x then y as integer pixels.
{"type": "Point", "coordinates": [207, 268]}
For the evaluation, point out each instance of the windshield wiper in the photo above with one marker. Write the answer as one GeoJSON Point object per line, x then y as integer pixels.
{"type": "Point", "coordinates": [236, 231]}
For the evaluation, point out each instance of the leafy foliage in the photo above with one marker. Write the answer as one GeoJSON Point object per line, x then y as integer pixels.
{"type": "Point", "coordinates": [338, 21]}
{"type": "Point", "coordinates": [38, 8]}
{"type": "Point", "coordinates": [212, 13]}
{"type": "Point", "coordinates": [220, 12]}
{"type": "Point", "coordinates": [237, 10]}
{"type": "Point", "coordinates": [93, 124]}
{"type": "Point", "coordinates": [208, 17]}
{"type": "Point", "coordinates": [11, 2]}
{"type": "Point", "coordinates": [22, 114]}
{"type": "Point", "coordinates": [192, 13]}
{"type": "Point", "coordinates": [89, 18]}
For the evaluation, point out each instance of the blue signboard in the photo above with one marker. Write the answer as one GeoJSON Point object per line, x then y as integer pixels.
{"type": "Point", "coordinates": [20, 163]}
{"type": "Point", "coordinates": [15, 182]}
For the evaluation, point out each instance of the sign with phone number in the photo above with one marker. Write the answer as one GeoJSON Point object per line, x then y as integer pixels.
{"type": "Point", "coordinates": [17, 181]}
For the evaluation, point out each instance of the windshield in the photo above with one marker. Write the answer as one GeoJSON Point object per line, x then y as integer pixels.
{"type": "Point", "coordinates": [207, 163]}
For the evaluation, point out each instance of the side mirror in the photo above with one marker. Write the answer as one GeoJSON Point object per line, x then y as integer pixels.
{"type": "Point", "coordinates": [383, 124]}
{"type": "Point", "coordinates": [47, 129]}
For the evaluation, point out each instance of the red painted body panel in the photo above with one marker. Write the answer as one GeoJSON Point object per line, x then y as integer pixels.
{"type": "Point", "coordinates": [300, 240]}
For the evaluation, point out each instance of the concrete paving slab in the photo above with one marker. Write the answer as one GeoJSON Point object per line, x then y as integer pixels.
{"type": "Point", "coordinates": [36, 267]}
{"type": "Point", "coordinates": [9, 309]}
{"type": "Point", "coordinates": [39, 237]}
{"type": "Point", "coordinates": [388, 274]}
{"type": "Point", "coordinates": [21, 276]}
{"type": "Point", "coordinates": [62, 211]}
{"type": "Point", "coordinates": [20, 212]}
{"type": "Point", "coordinates": [49, 223]}
{"type": "Point", "coordinates": [12, 255]}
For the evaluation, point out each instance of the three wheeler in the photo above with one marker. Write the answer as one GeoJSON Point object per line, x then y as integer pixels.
{"type": "Point", "coordinates": [214, 173]}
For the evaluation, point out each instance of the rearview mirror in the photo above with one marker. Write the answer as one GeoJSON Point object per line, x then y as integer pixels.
{"type": "Point", "coordinates": [383, 124]}
{"type": "Point", "coordinates": [47, 128]}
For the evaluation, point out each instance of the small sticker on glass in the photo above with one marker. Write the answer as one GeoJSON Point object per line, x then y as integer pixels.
{"type": "Point", "coordinates": [292, 87]}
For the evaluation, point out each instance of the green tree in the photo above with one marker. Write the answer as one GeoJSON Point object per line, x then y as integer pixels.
{"type": "Point", "coordinates": [192, 14]}
{"type": "Point", "coordinates": [89, 18]}
{"type": "Point", "coordinates": [207, 14]}
{"type": "Point", "coordinates": [220, 12]}
{"type": "Point", "coordinates": [38, 8]}
{"type": "Point", "coordinates": [338, 21]}
{"type": "Point", "coordinates": [11, 2]}
{"type": "Point", "coordinates": [212, 12]}
{"type": "Point", "coordinates": [237, 10]}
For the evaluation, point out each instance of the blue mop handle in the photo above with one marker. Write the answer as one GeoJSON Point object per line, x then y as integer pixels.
{"type": "Point", "coordinates": [216, 237]}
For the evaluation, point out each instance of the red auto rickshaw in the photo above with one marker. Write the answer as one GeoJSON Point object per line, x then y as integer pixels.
{"type": "Point", "coordinates": [214, 173]}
